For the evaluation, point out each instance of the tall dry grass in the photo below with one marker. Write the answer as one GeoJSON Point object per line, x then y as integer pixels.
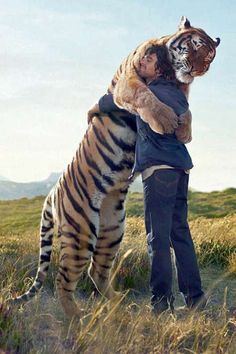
{"type": "Point", "coordinates": [128, 326]}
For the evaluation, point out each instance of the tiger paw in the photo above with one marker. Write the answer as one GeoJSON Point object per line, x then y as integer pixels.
{"type": "Point", "coordinates": [183, 135]}
{"type": "Point", "coordinates": [167, 118]}
{"type": "Point", "coordinates": [162, 120]}
{"type": "Point", "coordinates": [184, 130]}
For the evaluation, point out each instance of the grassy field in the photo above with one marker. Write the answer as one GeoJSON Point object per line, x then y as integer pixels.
{"type": "Point", "coordinates": [128, 326]}
{"type": "Point", "coordinates": [211, 205]}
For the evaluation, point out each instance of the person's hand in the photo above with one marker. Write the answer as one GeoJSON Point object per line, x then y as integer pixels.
{"type": "Point", "coordinates": [184, 130]}
{"type": "Point", "coordinates": [91, 113]}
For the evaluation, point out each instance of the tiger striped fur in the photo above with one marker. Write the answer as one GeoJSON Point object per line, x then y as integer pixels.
{"type": "Point", "coordinates": [87, 205]}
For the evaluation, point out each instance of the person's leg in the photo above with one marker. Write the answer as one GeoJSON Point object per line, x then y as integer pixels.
{"type": "Point", "coordinates": [159, 200]}
{"type": "Point", "coordinates": [186, 261]}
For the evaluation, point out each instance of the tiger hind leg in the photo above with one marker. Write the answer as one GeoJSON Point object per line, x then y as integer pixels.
{"type": "Point", "coordinates": [74, 256]}
{"type": "Point", "coordinates": [112, 217]}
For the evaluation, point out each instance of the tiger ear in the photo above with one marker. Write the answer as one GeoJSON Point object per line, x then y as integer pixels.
{"type": "Point", "coordinates": [216, 41]}
{"type": "Point", "coordinates": [184, 23]}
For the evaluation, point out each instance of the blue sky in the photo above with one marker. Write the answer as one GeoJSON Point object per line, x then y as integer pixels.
{"type": "Point", "coordinates": [58, 57]}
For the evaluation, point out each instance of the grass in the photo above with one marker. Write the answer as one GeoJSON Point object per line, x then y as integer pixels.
{"type": "Point", "coordinates": [209, 205]}
{"type": "Point", "coordinates": [126, 327]}
{"type": "Point", "coordinates": [23, 215]}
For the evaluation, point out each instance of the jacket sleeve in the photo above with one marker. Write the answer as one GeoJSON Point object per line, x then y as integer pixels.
{"type": "Point", "coordinates": [106, 104]}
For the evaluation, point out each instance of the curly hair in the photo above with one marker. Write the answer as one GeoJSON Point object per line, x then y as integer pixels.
{"type": "Point", "coordinates": [163, 63]}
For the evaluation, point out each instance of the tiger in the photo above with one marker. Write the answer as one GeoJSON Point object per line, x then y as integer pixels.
{"type": "Point", "coordinates": [191, 52]}
{"type": "Point", "coordinates": [86, 205]}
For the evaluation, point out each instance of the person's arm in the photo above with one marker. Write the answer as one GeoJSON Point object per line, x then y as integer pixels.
{"type": "Point", "coordinates": [92, 112]}
{"type": "Point", "coordinates": [105, 104]}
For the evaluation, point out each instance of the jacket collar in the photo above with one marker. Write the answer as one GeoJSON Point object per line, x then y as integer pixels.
{"type": "Point", "coordinates": [161, 80]}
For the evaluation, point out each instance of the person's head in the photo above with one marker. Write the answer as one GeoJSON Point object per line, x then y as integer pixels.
{"type": "Point", "coordinates": [155, 63]}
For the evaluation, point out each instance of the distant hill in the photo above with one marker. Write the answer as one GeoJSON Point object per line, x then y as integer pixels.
{"type": "Point", "coordinates": [2, 178]}
{"type": "Point", "coordinates": [10, 190]}
{"type": "Point", "coordinates": [212, 204]}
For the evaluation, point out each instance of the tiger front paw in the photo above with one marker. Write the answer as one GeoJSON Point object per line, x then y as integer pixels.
{"type": "Point", "coordinates": [161, 120]}
{"type": "Point", "coordinates": [167, 118]}
{"type": "Point", "coordinates": [184, 130]}
{"type": "Point", "coordinates": [184, 134]}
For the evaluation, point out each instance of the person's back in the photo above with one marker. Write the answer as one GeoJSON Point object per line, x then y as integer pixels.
{"type": "Point", "coordinates": [162, 149]}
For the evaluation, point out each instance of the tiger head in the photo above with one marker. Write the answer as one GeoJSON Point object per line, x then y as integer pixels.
{"type": "Point", "coordinates": [191, 51]}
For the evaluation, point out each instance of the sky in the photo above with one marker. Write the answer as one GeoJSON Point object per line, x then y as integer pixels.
{"type": "Point", "coordinates": [58, 57]}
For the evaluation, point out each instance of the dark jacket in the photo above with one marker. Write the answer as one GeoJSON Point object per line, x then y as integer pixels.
{"type": "Point", "coordinates": [153, 148]}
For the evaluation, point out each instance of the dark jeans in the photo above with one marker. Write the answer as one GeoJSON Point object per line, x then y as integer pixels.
{"type": "Point", "coordinates": [166, 209]}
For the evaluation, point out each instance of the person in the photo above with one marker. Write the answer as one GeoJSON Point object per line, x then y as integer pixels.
{"type": "Point", "coordinates": [164, 163]}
